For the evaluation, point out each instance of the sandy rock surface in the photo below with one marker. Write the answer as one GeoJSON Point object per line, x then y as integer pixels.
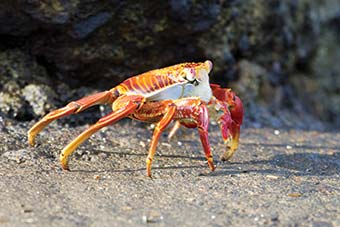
{"type": "Point", "coordinates": [277, 178]}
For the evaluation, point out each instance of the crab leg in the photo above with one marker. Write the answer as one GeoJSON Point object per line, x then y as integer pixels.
{"type": "Point", "coordinates": [122, 107]}
{"type": "Point", "coordinates": [189, 112]}
{"type": "Point", "coordinates": [71, 108]}
{"type": "Point", "coordinates": [161, 125]}
{"type": "Point", "coordinates": [203, 124]}
{"type": "Point", "coordinates": [174, 129]}
{"type": "Point", "coordinates": [192, 113]}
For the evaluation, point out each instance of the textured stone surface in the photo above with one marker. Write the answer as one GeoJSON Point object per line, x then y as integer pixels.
{"type": "Point", "coordinates": [26, 91]}
{"type": "Point", "coordinates": [98, 44]}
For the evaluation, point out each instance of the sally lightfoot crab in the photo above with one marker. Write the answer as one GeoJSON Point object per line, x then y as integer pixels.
{"type": "Point", "coordinates": [180, 93]}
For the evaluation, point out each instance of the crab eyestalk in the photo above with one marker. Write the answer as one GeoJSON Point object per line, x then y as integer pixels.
{"type": "Point", "coordinates": [229, 110]}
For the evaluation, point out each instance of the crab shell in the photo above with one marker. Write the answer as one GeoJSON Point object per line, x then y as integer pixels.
{"type": "Point", "coordinates": [174, 82]}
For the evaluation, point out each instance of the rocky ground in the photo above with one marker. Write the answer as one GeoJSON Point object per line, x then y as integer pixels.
{"type": "Point", "coordinates": [277, 178]}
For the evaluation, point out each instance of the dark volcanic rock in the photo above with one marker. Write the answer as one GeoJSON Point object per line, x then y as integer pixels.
{"type": "Point", "coordinates": [98, 44]}
{"type": "Point", "coordinates": [23, 94]}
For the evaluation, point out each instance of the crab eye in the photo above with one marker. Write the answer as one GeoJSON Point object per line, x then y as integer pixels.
{"type": "Point", "coordinates": [209, 63]}
{"type": "Point", "coordinates": [190, 74]}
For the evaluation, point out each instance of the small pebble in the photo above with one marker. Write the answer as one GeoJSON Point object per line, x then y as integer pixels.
{"type": "Point", "coordinates": [145, 219]}
{"type": "Point", "coordinates": [142, 144]}
{"type": "Point", "coordinates": [3, 220]}
{"type": "Point", "coordinates": [274, 217]}
{"type": "Point", "coordinates": [295, 194]}
{"type": "Point", "coordinates": [27, 210]}
{"type": "Point", "coordinates": [126, 208]}
{"type": "Point", "coordinates": [179, 143]}
{"type": "Point", "coordinates": [28, 220]}
{"type": "Point", "coordinates": [96, 177]}
{"type": "Point", "coordinates": [166, 144]}
{"type": "Point", "coordinates": [101, 108]}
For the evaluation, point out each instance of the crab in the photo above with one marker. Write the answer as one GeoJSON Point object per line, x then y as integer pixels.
{"type": "Point", "coordinates": [180, 93]}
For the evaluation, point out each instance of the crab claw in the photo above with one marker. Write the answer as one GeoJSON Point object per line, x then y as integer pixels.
{"type": "Point", "coordinates": [230, 117]}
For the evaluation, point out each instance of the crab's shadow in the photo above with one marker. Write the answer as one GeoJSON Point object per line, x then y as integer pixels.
{"type": "Point", "coordinates": [308, 162]}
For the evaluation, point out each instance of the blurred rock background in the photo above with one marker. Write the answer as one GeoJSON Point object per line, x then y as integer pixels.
{"type": "Point", "coordinates": [281, 57]}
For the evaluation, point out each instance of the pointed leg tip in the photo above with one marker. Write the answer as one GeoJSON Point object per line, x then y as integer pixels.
{"type": "Point", "coordinates": [226, 157]}
{"type": "Point", "coordinates": [148, 166]}
{"type": "Point", "coordinates": [148, 173]}
{"type": "Point", "coordinates": [228, 153]}
{"type": "Point", "coordinates": [31, 140]}
{"type": "Point", "coordinates": [65, 166]}
{"type": "Point", "coordinates": [211, 164]}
